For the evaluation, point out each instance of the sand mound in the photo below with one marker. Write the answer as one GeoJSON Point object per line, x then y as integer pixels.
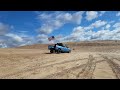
{"type": "Point", "coordinates": [88, 60]}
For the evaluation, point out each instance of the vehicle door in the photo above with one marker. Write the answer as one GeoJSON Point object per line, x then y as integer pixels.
{"type": "Point", "coordinates": [65, 49]}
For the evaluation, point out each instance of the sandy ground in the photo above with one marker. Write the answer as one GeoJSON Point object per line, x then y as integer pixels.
{"type": "Point", "coordinates": [86, 61]}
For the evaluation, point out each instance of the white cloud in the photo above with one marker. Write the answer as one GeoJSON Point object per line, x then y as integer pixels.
{"type": "Point", "coordinates": [90, 15]}
{"type": "Point", "coordinates": [16, 40]}
{"type": "Point", "coordinates": [98, 23]}
{"type": "Point", "coordinates": [77, 17]}
{"type": "Point", "coordinates": [42, 38]}
{"type": "Point", "coordinates": [4, 28]}
{"type": "Point", "coordinates": [64, 17]}
{"type": "Point", "coordinates": [118, 14]}
{"type": "Point", "coordinates": [78, 29]}
{"type": "Point", "coordinates": [53, 21]}
{"type": "Point", "coordinates": [3, 45]}
{"type": "Point", "coordinates": [45, 29]}
{"type": "Point", "coordinates": [116, 25]}
{"type": "Point", "coordinates": [15, 37]}
{"type": "Point", "coordinates": [80, 34]}
{"type": "Point", "coordinates": [102, 35]}
{"type": "Point", "coordinates": [28, 40]}
{"type": "Point", "coordinates": [107, 26]}
{"type": "Point", "coordinates": [88, 27]}
{"type": "Point", "coordinates": [2, 42]}
{"type": "Point", "coordinates": [101, 13]}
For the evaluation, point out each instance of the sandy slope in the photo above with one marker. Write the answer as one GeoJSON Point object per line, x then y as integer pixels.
{"type": "Point", "coordinates": [88, 60]}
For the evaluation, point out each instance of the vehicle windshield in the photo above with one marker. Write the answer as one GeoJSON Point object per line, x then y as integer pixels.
{"type": "Point", "coordinates": [65, 45]}
{"type": "Point", "coordinates": [61, 44]}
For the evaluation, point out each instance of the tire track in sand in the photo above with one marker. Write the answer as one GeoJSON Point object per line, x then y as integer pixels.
{"type": "Point", "coordinates": [39, 67]}
{"type": "Point", "coordinates": [115, 67]}
{"type": "Point", "coordinates": [87, 71]}
{"type": "Point", "coordinates": [88, 68]}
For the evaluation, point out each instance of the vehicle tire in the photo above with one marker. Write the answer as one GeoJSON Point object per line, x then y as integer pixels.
{"type": "Point", "coordinates": [51, 51]}
{"type": "Point", "coordinates": [69, 51]}
{"type": "Point", "coordinates": [59, 51]}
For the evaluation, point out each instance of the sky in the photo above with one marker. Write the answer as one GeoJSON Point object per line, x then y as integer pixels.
{"type": "Point", "coordinates": [19, 28]}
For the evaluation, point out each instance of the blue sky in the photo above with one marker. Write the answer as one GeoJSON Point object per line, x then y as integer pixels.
{"type": "Point", "coordinates": [18, 28]}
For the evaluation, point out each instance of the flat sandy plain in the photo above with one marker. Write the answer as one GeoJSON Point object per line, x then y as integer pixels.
{"type": "Point", "coordinates": [87, 60]}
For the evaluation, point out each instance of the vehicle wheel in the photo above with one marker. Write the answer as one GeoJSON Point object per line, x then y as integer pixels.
{"type": "Point", "coordinates": [51, 51]}
{"type": "Point", "coordinates": [59, 51]}
{"type": "Point", "coordinates": [69, 51]}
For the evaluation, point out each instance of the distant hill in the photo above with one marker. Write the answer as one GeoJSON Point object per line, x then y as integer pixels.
{"type": "Point", "coordinates": [73, 44]}
{"type": "Point", "coordinates": [35, 46]}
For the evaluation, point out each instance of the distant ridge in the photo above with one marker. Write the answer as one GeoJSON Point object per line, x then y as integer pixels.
{"type": "Point", "coordinates": [71, 44]}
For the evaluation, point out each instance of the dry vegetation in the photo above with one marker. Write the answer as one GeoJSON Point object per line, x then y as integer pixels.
{"type": "Point", "coordinates": [88, 60]}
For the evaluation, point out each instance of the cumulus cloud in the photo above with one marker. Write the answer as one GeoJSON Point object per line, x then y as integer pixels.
{"type": "Point", "coordinates": [4, 28]}
{"type": "Point", "coordinates": [28, 40]}
{"type": "Point", "coordinates": [64, 17]}
{"type": "Point", "coordinates": [3, 42]}
{"type": "Point", "coordinates": [80, 34]}
{"type": "Point", "coordinates": [8, 39]}
{"type": "Point", "coordinates": [78, 29]}
{"type": "Point", "coordinates": [107, 26]}
{"type": "Point", "coordinates": [118, 14]}
{"type": "Point", "coordinates": [116, 25]}
{"type": "Point", "coordinates": [97, 30]}
{"type": "Point", "coordinates": [98, 23]}
{"type": "Point", "coordinates": [42, 38]}
{"type": "Point", "coordinates": [101, 13]}
{"type": "Point", "coordinates": [3, 45]}
{"type": "Point", "coordinates": [90, 15]}
{"type": "Point", "coordinates": [16, 40]}
{"type": "Point", "coordinates": [15, 37]}
{"type": "Point", "coordinates": [45, 29]}
{"type": "Point", "coordinates": [77, 17]}
{"type": "Point", "coordinates": [53, 21]}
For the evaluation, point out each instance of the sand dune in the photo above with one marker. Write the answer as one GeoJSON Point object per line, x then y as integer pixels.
{"type": "Point", "coordinates": [88, 60]}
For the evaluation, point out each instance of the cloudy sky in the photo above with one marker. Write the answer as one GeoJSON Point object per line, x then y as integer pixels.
{"type": "Point", "coordinates": [18, 28]}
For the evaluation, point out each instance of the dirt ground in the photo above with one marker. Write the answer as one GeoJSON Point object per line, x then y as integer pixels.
{"type": "Point", "coordinates": [96, 60]}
